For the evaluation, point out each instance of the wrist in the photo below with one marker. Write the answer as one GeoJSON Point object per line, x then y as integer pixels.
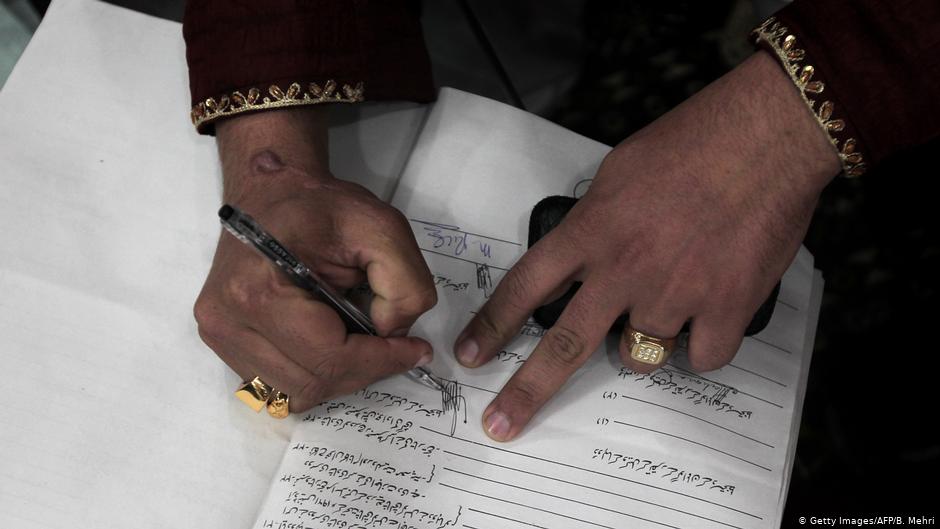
{"type": "Point", "coordinates": [797, 143]}
{"type": "Point", "coordinates": [744, 141]}
{"type": "Point", "coordinates": [271, 153]}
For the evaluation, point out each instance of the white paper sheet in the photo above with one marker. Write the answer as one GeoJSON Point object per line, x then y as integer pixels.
{"type": "Point", "coordinates": [614, 449]}
{"type": "Point", "coordinates": [114, 413]}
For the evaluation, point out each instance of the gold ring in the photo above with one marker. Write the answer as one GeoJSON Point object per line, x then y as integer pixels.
{"type": "Point", "coordinates": [648, 349]}
{"type": "Point", "coordinates": [255, 393]}
{"type": "Point", "coordinates": [278, 405]}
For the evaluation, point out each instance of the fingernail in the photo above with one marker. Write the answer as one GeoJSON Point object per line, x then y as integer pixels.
{"type": "Point", "coordinates": [425, 360]}
{"type": "Point", "coordinates": [400, 332]}
{"type": "Point", "coordinates": [497, 425]}
{"type": "Point", "coordinates": [467, 351]}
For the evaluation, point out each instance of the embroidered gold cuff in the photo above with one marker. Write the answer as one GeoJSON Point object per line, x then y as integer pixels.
{"type": "Point", "coordinates": [236, 103]}
{"type": "Point", "coordinates": [791, 58]}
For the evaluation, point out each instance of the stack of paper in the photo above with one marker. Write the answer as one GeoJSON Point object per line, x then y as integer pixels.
{"type": "Point", "coordinates": [118, 416]}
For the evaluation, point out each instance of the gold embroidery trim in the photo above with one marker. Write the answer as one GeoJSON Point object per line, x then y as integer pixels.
{"type": "Point", "coordinates": [784, 45]}
{"type": "Point", "coordinates": [236, 103]}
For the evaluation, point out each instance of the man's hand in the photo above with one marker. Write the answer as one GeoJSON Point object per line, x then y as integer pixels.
{"type": "Point", "coordinates": [695, 217]}
{"type": "Point", "coordinates": [275, 169]}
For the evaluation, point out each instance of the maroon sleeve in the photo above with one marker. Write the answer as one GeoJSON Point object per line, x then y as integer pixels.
{"type": "Point", "coordinates": [247, 56]}
{"type": "Point", "coordinates": [870, 70]}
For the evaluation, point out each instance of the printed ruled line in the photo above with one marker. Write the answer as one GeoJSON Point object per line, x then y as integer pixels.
{"type": "Point", "coordinates": [775, 346]}
{"type": "Point", "coordinates": [557, 497]}
{"type": "Point", "coordinates": [465, 526]}
{"type": "Point", "coordinates": [578, 485]}
{"type": "Point", "coordinates": [700, 419]}
{"type": "Point", "coordinates": [479, 388]}
{"type": "Point", "coordinates": [596, 472]}
{"type": "Point", "coordinates": [557, 513]}
{"type": "Point", "coordinates": [464, 260]}
{"type": "Point", "coordinates": [785, 304]}
{"type": "Point", "coordinates": [693, 442]}
{"type": "Point", "coordinates": [471, 509]}
{"type": "Point", "coordinates": [696, 375]}
{"type": "Point", "coordinates": [756, 374]}
{"type": "Point", "coordinates": [449, 227]}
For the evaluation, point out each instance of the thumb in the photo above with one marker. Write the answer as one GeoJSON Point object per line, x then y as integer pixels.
{"type": "Point", "coordinates": [372, 358]}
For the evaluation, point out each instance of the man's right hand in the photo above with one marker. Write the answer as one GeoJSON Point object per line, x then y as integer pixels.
{"type": "Point", "coordinates": [275, 169]}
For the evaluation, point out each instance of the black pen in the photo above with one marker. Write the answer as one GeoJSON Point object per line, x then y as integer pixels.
{"type": "Point", "coordinates": [247, 230]}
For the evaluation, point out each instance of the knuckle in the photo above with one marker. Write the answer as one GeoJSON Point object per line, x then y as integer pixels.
{"type": "Point", "coordinates": [635, 254]}
{"type": "Point", "coordinates": [563, 346]}
{"type": "Point", "coordinates": [586, 220]}
{"type": "Point", "coordinates": [726, 293]}
{"type": "Point", "coordinates": [429, 299]}
{"type": "Point", "coordinates": [390, 222]}
{"type": "Point", "coordinates": [249, 295]}
{"type": "Point", "coordinates": [240, 294]}
{"type": "Point", "coordinates": [488, 326]}
{"type": "Point", "coordinates": [327, 368]}
{"type": "Point", "coordinates": [209, 321]}
{"type": "Point", "coordinates": [520, 282]}
{"type": "Point", "coordinates": [525, 393]}
{"type": "Point", "coordinates": [518, 285]}
{"type": "Point", "coordinates": [419, 302]}
{"type": "Point", "coordinates": [655, 322]}
{"type": "Point", "coordinates": [210, 338]}
{"type": "Point", "coordinates": [396, 217]}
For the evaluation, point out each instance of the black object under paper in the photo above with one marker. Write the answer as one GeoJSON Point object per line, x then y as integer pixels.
{"type": "Point", "coordinates": [548, 213]}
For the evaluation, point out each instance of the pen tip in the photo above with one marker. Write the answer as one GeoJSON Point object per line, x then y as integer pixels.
{"type": "Point", "coordinates": [225, 212]}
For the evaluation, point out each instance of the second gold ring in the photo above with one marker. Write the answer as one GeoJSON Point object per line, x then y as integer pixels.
{"type": "Point", "coordinates": [278, 405]}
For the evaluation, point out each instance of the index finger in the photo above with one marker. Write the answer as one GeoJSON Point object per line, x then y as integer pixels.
{"type": "Point", "coordinates": [525, 287]}
{"type": "Point", "coordinates": [564, 348]}
{"type": "Point", "coordinates": [397, 273]}
{"type": "Point", "coordinates": [313, 335]}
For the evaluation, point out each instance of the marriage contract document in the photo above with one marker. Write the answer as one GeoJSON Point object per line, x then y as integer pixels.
{"type": "Point", "coordinates": [116, 415]}
{"type": "Point", "coordinates": [614, 449]}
